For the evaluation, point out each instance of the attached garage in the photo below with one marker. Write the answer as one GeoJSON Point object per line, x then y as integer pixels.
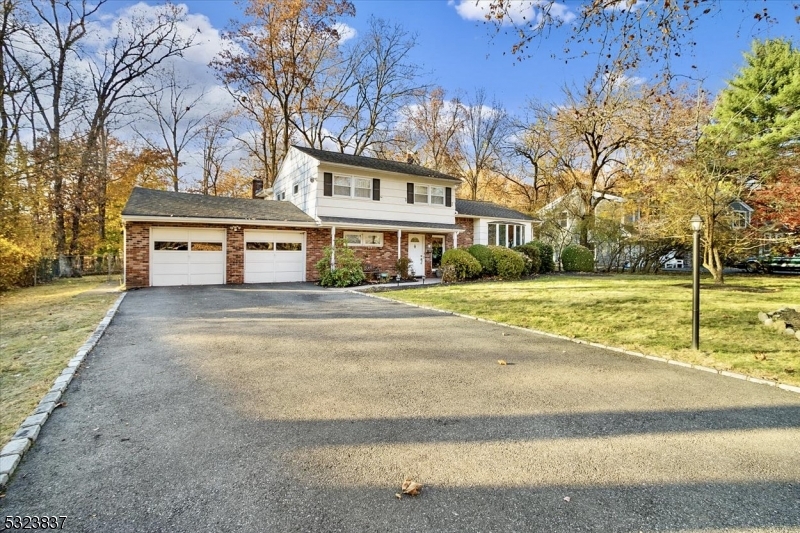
{"type": "Point", "coordinates": [187, 256]}
{"type": "Point", "coordinates": [274, 256]}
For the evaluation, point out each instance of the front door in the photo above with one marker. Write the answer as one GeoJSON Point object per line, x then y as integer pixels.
{"type": "Point", "coordinates": [416, 253]}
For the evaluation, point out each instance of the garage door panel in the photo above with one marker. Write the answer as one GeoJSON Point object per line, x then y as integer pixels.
{"type": "Point", "coordinates": [279, 256]}
{"type": "Point", "coordinates": [173, 266]}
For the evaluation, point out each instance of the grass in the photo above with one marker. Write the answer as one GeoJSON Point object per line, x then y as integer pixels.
{"type": "Point", "coordinates": [649, 314]}
{"type": "Point", "coordinates": [41, 328]}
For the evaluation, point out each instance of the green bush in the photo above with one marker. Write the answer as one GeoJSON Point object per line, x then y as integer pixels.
{"type": "Point", "coordinates": [484, 256]}
{"type": "Point", "coordinates": [577, 258]}
{"type": "Point", "coordinates": [459, 265]}
{"type": "Point", "coordinates": [508, 263]}
{"type": "Point", "coordinates": [15, 262]}
{"type": "Point", "coordinates": [348, 271]}
{"type": "Point", "coordinates": [546, 255]}
{"type": "Point", "coordinates": [533, 258]}
{"type": "Point", "coordinates": [403, 267]}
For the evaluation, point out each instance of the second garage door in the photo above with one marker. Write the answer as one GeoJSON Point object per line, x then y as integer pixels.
{"type": "Point", "coordinates": [274, 256]}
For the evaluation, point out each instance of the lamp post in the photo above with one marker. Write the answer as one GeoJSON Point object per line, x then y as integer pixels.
{"type": "Point", "coordinates": [696, 223]}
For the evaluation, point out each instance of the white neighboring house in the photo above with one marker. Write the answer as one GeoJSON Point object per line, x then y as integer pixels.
{"type": "Point", "coordinates": [564, 214]}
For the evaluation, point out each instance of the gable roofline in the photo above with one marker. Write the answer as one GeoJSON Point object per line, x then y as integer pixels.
{"type": "Point", "coordinates": [373, 163]}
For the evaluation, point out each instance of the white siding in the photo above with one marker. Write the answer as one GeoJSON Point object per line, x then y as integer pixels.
{"type": "Point", "coordinates": [299, 168]}
{"type": "Point", "coordinates": [392, 205]}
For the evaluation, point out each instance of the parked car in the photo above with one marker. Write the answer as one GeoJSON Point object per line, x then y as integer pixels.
{"type": "Point", "coordinates": [783, 264]}
{"type": "Point", "coordinates": [751, 264]}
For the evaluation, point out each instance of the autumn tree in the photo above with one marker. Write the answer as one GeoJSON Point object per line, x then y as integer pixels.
{"type": "Point", "coordinates": [281, 48]}
{"type": "Point", "coordinates": [431, 130]}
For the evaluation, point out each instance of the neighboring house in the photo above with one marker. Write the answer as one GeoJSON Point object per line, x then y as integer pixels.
{"type": "Point", "coordinates": [383, 209]}
{"type": "Point", "coordinates": [564, 215]}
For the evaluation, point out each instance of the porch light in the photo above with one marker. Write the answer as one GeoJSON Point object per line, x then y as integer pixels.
{"type": "Point", "coordinates": [696, 222]}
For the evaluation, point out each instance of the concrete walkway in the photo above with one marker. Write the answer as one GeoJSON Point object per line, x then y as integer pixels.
{"type": "Point", "coordinates": [291, 408]}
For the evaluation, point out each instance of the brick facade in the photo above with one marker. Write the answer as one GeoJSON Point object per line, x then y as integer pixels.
{"type": "Point", "coordinates": [466, 237]}
{"type": "Point", "coordinates": [137, 249]}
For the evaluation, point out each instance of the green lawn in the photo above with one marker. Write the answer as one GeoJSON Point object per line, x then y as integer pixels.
{"type": "Point", "coordinates": [41, 328]}
{"type": "Point", "coordinates": [650, 314]}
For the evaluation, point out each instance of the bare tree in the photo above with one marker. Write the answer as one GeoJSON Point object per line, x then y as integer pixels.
{"type": "Point", "coordinates": [261, 132]}
{"type": "Point", "coordinates": [179, 122]}
{"type": "Point", "coordinates": [484, 130]}
{"type": "Point", "coordinates": [385, 82]}
{"type": "Point", "coordinates": [139, 46]}
{"type": "Point", "coordinates": [214, 135]}
{"type": "Point", "coordinates": [431, 130]}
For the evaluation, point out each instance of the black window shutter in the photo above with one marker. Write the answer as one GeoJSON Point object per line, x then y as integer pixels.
{"type": "Point", "coordinates": [409, 193]}
{"type": "Point", "coordinates": [448, 196]}
{"type": "Point", "coordinates": [376, 189]}
{"type": "Point", "coordinates": [328, 186]}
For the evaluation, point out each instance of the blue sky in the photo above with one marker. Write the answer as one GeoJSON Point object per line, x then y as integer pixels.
{"type": "Point", "coordinates": [463, 54]}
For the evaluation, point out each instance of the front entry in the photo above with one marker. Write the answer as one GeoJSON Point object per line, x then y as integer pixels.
{"type": "Point", "coordinates": [416, 253]}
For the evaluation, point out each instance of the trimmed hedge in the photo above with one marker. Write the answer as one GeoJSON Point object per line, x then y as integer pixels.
{"type": "Point", "coordinates": [458, 265]}
{"type": "Point", "coordinates": [577, 258]}
{"type": "Point", "coordinates": [508, 263]}
{"type": "Point", "coordinates": [533, 259]}
{"type": "Point", "coordinates": [546, 255]}
{"type": "Point", "coordinates": [484, 256]}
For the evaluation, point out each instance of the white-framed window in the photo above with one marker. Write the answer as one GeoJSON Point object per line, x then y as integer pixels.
{"type": "Point", "coordinates": [508, 235]}
{"type": "Point", "coordinates": [421, 194]}
{"type": "Point", "coordinates": [295, 188]}
{"type": "Point", "coordinates": [352, 187]}
{"type": "Point", "coordinates": [342, 185]}
{"type": "Point", "coordinates": [280, 195]}
{"type": "Point", "coordinates": [360, 238]}
{"type": "Point", "coordinates": [437, 195]}
{"type": "Point", "coordinates": [741, 219]}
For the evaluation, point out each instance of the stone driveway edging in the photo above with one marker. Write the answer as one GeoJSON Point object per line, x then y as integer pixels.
{"type": "Point", "coordinates": [784, 386]}
{"type": "Point", "coordinates": [23, 439]}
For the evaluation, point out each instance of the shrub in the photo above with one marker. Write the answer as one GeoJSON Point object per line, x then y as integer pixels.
{"type": "Point", "coordinates": [508, 263]}
{"type": "Point", "coordinates": [577, 258]}
{"type": "Point", "coordinates": [15, 262]}
{"type": "Point", "coordinates": [484, 256]}
{"type": "Point", "coordinates": [533, 258]}
{"type": "Point", "coordinates": [348, 271]}
{"type": "Point", "coordinates": [459, 265]}
{"type": "Point", "coordinates": [546, 255]}
{"type": "Point", "coordinates": [404, 267]}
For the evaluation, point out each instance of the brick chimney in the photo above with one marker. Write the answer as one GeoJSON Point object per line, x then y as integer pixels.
{"type": "Point", "coordinates": [258, 185]}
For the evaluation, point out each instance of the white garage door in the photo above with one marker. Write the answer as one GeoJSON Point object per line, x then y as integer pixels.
{"type": "Point", "coordinates": [187, 256]}
{"type": "Point", "coordinates": [274, 256]}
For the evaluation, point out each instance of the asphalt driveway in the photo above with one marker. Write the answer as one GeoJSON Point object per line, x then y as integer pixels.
{"type": "Point", "coordinates": [289, 408]}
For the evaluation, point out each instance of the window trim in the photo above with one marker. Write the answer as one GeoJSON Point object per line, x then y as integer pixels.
{"type": "Point", "coordinates": [362, 238]}
{"type": "Point", "coordinates": [518, 233]}
{"type": "Point", "coordinates": [353, 180]}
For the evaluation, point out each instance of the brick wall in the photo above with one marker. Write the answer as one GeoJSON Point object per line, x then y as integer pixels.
{"type": "Point", "coordinates": [137, 250]}
{"type": "Point", "coordinates": [466, 237]}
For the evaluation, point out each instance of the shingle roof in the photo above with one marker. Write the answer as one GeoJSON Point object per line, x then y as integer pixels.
{"type": "Point", "coordinates": [479, 208]}
{"type": "Point", "coordinates": [385, 223]}
{"type": "Point", "coordinates": [374, 163]}
{"type": "Point", "coordinates": [149, 202]}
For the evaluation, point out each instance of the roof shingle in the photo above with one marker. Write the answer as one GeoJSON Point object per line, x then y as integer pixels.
{"type": "Point", "coordinates": [479, 208]}
{"type": "Point", "coordinates": [386, 165]}
{"type": "Point", "coordinates": [150, 202]}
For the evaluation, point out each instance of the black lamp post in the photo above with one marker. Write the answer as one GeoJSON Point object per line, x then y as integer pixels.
{"type": "Point", "coordinates": [696, 223]}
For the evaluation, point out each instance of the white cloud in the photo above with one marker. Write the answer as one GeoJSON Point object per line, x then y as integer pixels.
{"type": "Point", "coordinates": [517, 11]}
{"type": "Point", "coordinates": [345, 32]}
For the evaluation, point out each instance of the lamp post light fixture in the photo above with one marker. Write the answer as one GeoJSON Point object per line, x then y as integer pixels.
{"type": "Point", "coordinates": [696, 223]}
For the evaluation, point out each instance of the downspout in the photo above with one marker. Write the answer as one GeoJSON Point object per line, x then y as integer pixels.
{"type": "Point", "coordinates": [399, 244]}
{"type": "Point", "coordinates": [333, 247]}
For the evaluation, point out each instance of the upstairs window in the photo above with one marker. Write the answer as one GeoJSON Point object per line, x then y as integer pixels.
{"type": "Point", "coordinates": [437, 195]}
{"type": "Point", "coordinates": [363, 188]}
{"type": "Point", "coordinates": [342, 185]}
{"type": "Point", "coordinates": [421, 194]}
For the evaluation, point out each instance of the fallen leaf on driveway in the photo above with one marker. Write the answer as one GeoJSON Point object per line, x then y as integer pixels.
{"type": "Point", "coordinates": [412, 488]}
{"type": "Point", "coordinates": [567, 498]}
{"type": "Point", "coordinates": [398, 495]}
{"type": "Point", "coordinates": [60, 404]}
{"type": "Point", "coordinates": [501, 362]}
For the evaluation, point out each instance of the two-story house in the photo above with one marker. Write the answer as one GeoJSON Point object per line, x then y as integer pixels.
{"type": "Point", "coordinates": [383, 209]}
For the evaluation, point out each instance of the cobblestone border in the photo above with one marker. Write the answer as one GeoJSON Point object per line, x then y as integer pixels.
{"type": "Point", "coordinates": [784, 386]}
{"type": "Point", "coordinates": [23, 439]}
